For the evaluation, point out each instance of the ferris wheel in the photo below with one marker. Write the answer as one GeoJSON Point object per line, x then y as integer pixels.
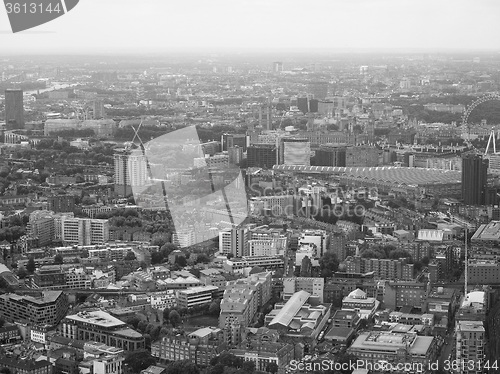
{"type": "Point", "coordinates": [494, 157]}
{"type": "Point", "coordinates": [466, 126]}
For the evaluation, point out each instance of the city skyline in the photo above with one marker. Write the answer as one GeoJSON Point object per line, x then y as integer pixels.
{"type": "Point", "coordinates": [249, 187]}
{"type": "Point", "coordinates": [249, 25]}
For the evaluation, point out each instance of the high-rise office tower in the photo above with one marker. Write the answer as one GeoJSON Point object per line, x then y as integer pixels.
{"type": "Point", "coordinates": [233, 140]}
{"type": "Point", "coordinates": [303, 104]}
{"type": "Point", "coordinates": [313, 106]}
{"type": "Point", "coordinates": [266, 114]}
{"type": "Point", "coordinates": [331, 155]}
{"type": "Point", "coordinates": [277, 66]}
{"type": "Point", "coordinates": [235, 155]}
{"type": "Point", "coordinates": [239, 241]}
{"type": "Point", "coordinates": [261, 156]}
{"type": "Point", "coordinates": [295, 151]}
{"type": "Point", "coordinates": [14, 109]}
{"type": "Point", "coordinates": [474, 179]}
{"type": "Point", "coordinates": [234, 241]}
{"type": "Point", "coordinates": [130, 171]}
{"type": "Point", "coordinates": [121, 174]}
{"type": "Point", "coordinates": [98, 109]}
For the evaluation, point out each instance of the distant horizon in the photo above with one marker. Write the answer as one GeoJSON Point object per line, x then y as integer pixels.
{"type": "Point", "coordinates": [158, 26]}
{"type": "Point", "coordinates": [263, 51]}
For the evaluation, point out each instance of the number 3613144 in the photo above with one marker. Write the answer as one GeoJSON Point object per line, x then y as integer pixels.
{"type": "Point", "coordinates": [33, 8]}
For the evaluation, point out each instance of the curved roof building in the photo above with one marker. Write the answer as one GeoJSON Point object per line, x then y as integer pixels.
{"type": "Point", "coordinates": [389, 178]}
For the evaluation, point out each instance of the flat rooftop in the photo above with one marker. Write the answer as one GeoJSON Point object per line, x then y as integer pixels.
{"type": "Point", "coordinates": [206, 331]}
{"type": "Point", "coordinates": [195, 290]}
{"type": "Point", "coordinates": [490, 231]}
{"type": "Point", "coordinates": [387, 341]}
{"type": "Point", "coordinates": [45, 297]}
{"type": "Point", "coordinates": [339, 333]}
{"type": "Point", "coordinates": [128, 332]}
{"type": "Point", "coordinates": [97, 317]}
{"type": "Point", "coordinates": [470, 326]}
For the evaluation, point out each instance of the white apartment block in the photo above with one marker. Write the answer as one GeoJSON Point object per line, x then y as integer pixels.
{"type": "Point", "coordinates": [108, 364]}
{"type": "Point", "coordinates": [78, 278]}
{"type": "Point", "coordinates": [195, 296]}
{"type": "Point", "coordinates": [38, 334]}
{"type": "Point", "coordinates": [214, 162]}
{"type": "Point", "coordinates": [264, 247]}
{"type": "Point", "coordinates": [84, 231]}
{"type": "Point", "coordinates": [225, 242]}
{"type": "Point", "coordinates": [111, 253]}
{"type": "Point", "coordinates": [470, 344]}
{"type": "Point", "coordinates": [317, 237]}
{"type": "Point", "coordinates": [184, 238]}
{"type": "Point", "coordinates": [163, 300]}
{"type": "Point", "coordinates": [130, 169]}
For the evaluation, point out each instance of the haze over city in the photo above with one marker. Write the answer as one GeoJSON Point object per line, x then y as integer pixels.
{"type": "Point", "coordinates": [249, 187]}
{"type": "Point", "coordinates": [130, 26]}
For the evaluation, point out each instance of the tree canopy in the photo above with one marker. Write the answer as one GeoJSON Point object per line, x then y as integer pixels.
{"type": "Point", "coordinates": [139, 360]}
{"type": "Point", "coordinates": [328, 264]}
{"type": "Point", "coordinates": [182, 367]}
{"type": "Point", "coordinates": [174, 318]}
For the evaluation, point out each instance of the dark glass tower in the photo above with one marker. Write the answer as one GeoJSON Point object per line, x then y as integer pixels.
{"type": "Point", "coordinates": [14, 109]}
{"type": "Point", "coordinates": [474, 179]}
{"type": "Point", "coordinates": [262, 156]}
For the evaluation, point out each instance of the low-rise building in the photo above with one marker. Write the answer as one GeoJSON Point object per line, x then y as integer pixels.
{"type": "Point", "coordinates": [358, 302]}
{"type": "Point", "coordinates": [213, 277]}
{"type": "Point", "coordinates": [9, 334]}
{"type": "Point", "coordinates": [101, 327]}
{"type": "Point", "coordinates": [425, 319]}
{"type": "Point", "coordinates": [484, 271]}
{"type": "Point", "coordinates": [346, 318]}
{"type": "Point", "coordinates": [342, 284]}
{"type": "Point", "coordinates": [298, 319]}
{"type": "Point", "coordinates": [442, 301]}
{"type": "Point", "coordinates": [395, 348]}
{"type": "Point", "coordinates": [402, 293]}
{"type": "Point", "coordinates": [487, 234]}
{"type": "Point", "coordinates": [153, 369]}
{"type": "Point", "coordinates": [46, 309]}
{"type": "Point", "coordinates": [198, 347]}
{"type": "Point", "coordinates": [263, 352]}
{"type": "Point", "coordinates": [314, 286]}
{"type": "Point", "coordinates": [195, 296]}
{"type": "Point", "coordinates": [474, 307]}
{"type": "Point", "coordinates": [162, 300]}
{"type": "Point", "coordinates": [340, 336]}
{"type": "Point", "coordinates": [26, 366]}
{"type": "Point", "coordinates": [238, 265]}
{"type": "Point", "coordinates": [178, 283]}
{"type": "Point", "coordinates": [38, 334]}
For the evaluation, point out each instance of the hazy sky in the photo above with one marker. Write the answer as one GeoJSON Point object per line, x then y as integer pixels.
{"type": "Point", "coordinates": [161, 25]}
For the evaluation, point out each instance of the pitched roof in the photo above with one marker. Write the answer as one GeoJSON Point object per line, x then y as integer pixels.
{"type": "Point", "coordinates": [291, 308]}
